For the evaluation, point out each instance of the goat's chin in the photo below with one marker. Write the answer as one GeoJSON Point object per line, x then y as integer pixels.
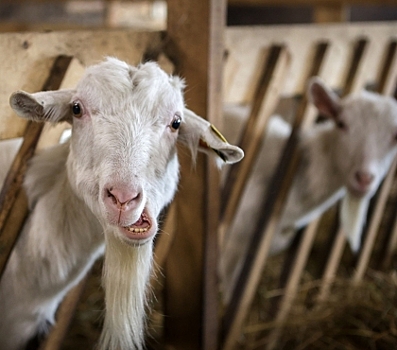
{"type": "Point", "coordinates": [125, 278]}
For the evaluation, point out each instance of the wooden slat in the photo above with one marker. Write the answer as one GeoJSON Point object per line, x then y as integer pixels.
{"type": "Point", "coordinates": [64, 317]}
{"type": "Point", "coordinates": [266, 98]}
{"type": "Point", "coordinates": [390, 247]}
{"type": "Point", "coordinates": [293, 282]}
{"type": "Point", "coordinates": [272, 207]}
{"type": "Point", "coordinates": [195, 45]}
{"type": "Point", "coordinates": [13, 181]}
{"type": "Point", "coordinates": [388, 72]}
{"type": "Point", "coordinates": [332, 265]}
{"type": "Point", "coordinates": [373, 226]}
{"type": "Point", "coordinates": [355, 77]}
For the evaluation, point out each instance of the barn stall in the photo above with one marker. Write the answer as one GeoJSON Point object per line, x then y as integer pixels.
{"type": "Point", "coordinates": [267, 68]}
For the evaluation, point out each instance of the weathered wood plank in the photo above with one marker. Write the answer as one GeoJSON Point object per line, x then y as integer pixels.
{"type": "Point", "coordinates": [195, 44]}
{"type": "Point", "coordinates": [195, 37]}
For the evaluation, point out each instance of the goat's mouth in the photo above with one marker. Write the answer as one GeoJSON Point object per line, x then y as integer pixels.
{"type": "Point", "coordinates": [141, 230]}
{"type": "Point", "coordinates": [359, 191]}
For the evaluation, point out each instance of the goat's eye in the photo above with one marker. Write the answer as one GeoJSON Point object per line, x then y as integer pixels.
{"type": "Point", "coordinates": [341, 125]}
{"type": "Point", "coordinates": [76, 109]}
{"type": "Point", "coordinates": [176, 122]}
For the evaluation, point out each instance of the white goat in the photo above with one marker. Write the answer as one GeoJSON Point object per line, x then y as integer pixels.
{"type": "Point", "coordinates": [350, 154]}
{"type": "Point", "coordinates": [103, 188]}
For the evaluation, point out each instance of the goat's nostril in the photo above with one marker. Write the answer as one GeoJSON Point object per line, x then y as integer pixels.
{"type": "Point", "coordinates": [110, 195]}
{"type": "Point", "coordinates": [135, 198]}
{"type": "Point", "coordinates": [123, 198]}
{"type": "Point", "coordinates": [364, 178]}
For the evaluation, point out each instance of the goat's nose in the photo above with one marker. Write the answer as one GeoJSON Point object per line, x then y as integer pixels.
{"type": "Point", "coordinates": [364, 178]}
{"type": "Point", "coordinates": [123, 198]}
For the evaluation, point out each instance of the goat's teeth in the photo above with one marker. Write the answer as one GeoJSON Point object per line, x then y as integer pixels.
{"type": "Point", "coordinates": [137, 230]}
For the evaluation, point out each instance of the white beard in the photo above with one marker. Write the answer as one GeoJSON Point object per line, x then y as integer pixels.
{"type": "Point", "coordinates": [126, 273]}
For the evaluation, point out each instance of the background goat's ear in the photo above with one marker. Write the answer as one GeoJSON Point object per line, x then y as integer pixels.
{"type": "Point", "coordinates": [199, 134]}
{"type": "Point", "coordinates": [51, 106]}
{"type": "Point", "coordinates": [326, 101]}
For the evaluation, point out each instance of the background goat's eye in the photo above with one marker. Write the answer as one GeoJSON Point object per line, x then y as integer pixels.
{"type": "Point", "coordinates": [176, 123]}
{"type": "Point", "coordinates": [341, 125]}
{"type": "Point", "coordinates": [76, 109]}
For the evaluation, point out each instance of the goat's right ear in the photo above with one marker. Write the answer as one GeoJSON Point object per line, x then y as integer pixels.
{"type": "Point", "coordinates": [201, 135]}
{"type": "Point", "coordinates": [51, 106]}
{"type": "Point", "coordinates": [326, 101]}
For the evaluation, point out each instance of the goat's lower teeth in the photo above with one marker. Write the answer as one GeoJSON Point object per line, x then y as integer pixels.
{"type": "Point", "coordinates": [137, 230]}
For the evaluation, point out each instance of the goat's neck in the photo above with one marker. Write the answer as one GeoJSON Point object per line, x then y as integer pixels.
{"type": "Point", "coordinates": [319, 171]}
{"type": "Point", "coordinates": [62, 237]}
{"type": "Point", "coordinates": [318, 183]}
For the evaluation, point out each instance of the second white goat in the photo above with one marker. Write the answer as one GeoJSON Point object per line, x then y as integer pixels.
{"type": "Point", "coordinates": [348, 154]}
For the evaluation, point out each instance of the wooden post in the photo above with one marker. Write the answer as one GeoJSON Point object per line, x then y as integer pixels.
{"type": "Point", "coordinates": [195, 44]}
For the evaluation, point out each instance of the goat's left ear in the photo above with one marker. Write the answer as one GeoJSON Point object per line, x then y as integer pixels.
{"type": "Point", "coordinates": [326, 101]}
{"type": "Point", "coordinates": [51, 106]}
{"type": "Point", "coordinates": [199, 134]}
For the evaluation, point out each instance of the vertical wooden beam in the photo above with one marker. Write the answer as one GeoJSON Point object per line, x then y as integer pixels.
{"type": "Point", "coordinates": [195, 44]}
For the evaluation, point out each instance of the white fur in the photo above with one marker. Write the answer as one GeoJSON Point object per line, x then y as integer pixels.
{"type": "Point", "coordinates": [122, 147]}
{"type": "Point", "coordinates": [330, 159]}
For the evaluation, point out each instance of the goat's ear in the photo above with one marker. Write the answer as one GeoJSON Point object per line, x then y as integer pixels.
{"type": "Point", "coordinates": [51, 106]}
{"type": "Point", "coordinates": [199, 134]}
{"type": "Point", "coordinates": [326, 101]}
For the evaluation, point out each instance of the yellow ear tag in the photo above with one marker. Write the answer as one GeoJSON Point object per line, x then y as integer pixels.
{"type": "Point", "coordinates": [217, 133]}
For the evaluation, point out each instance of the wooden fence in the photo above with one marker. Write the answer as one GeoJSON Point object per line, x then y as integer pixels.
{"type": "Point", "coordinates": [265, 65]}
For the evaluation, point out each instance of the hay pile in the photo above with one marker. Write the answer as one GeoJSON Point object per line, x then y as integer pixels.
{"type": "Point", "coordinates": [360, 318]}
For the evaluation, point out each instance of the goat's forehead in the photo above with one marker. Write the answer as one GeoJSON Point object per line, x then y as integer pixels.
{"type": "Point", "coordinates": [372, 110]}
{"type": "Point", "coordinates": [115, 82]}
